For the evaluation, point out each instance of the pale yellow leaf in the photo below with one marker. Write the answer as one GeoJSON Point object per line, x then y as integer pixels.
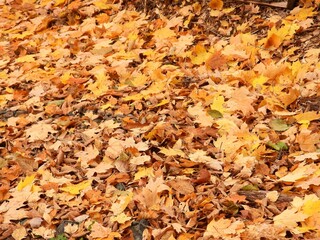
{"type": "Point", "coordinates": [289, 218]}
{"type": "Point", "coordinates": [172, 152]}
{"type": "Point", "coordinates": [122, 202]}
{"type": "Point", "coordinates": [120, 218]}
{"type": "Point", "coordinates": [19, 233]}
{"type": "Point", "coordinates": [302, 171]}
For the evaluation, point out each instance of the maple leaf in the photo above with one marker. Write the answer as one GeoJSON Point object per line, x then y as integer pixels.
{"type": "Point", "coordinates": [218, 104]}
{"type": "Point", "coordinates": [122, 202]}
{"type": "Point", "coordinates": [277, 36]}
{"type": "Point", "coordinates": [102, 84]}
{"type": "Point", "coordinates": [103, 76]}
{"type": "Point", "coordinates": [90, 153]}
{"type": "Point", "coordinates": [19, 233]}
{"type": "Point", "coordinates": [149, 199]}
{"type": "Point", "coordinates": [121, 218]}
{"type": "Point", "coordinates": [223, 228]}
{"type": "Point", "coordinates": [182, 186]}
{"type": "Point", "coordinates": [308, 141]}
{"type": "Point", "coordinates": [172, 152]}
{"type": "Point", "coordinates": [241, 101]}
{"type": "Point", "coordinates": [27, 181]}
{"type": "Point", "coordinates": [116, 146]}
{"type": "Point", "coordinates": [307, 117]}
{"type": "Point", "coordinates": [201, 115]}
{"type": "Point", "coordinates": [201, 156]}
{"type": "Point", "coordinates": [140, 160]}
{"type": "Point", "coordinates": [200, 55]}
{"type": "Point", "coordinates": [98, 231]}
{"type": "Point", "coordinates": [302, 171]}
{"type": "Point", "coordinates": [44, 232]}
{"type": "Point", "coordinates": [39, 131]}
{"type": "Point", "coordinates": [144, 172]}
{"type": "Point", "coordinates": [289, 218]}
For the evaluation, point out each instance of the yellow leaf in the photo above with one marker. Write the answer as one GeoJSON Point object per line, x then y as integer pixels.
{"type": "Point", "coordinates": [226, 126]}
{"type": "Point", "coordinates": [200, 55]}
{"type": "Point", "coordinates": [163, 102]}
{"type": "Point", "coordinates": [216, 229]}
{"type": "Point", "coordinates": [217, 104]}
{"type": "Point", "coordinates": [120, 205]}
{"type": "Point", "coordinates": [302, 14]}
{"type": "Point", "coordinates": [259, 81]}
{"type": "Point", "coordinates": [134, 97]}
{"type": "Point", "coordinates": [27, 181]}
{"type": "Point", "coordinates": [121, 218]}
{"type": "Point", "coordinates": [59, 2]}
{"type": "Point", "coordinates": [76, 188]}
{"type": "Point", "coordinates": [311, 205]}
{"type": "Point", "coordinates": [200, 115]}
{"type": "Point", "coordinates": [65, 77]}
{"type": "Point", "coordinates": [101, 85]}
{"type": "Point", "coordinates": [139, 80]}
{"type": "Point", "coordinates": [289, 218]}
{"type": "Point", "coordinates": [103, 5]}
{"type": "Point", "coordinates": [106, 106]}
{"type": "Point", "coordinates": [3, 74]}
{"type": "Point", "coordinates": [300, 172]}
{"type": "Point", "coordinates": [140, 160]}
{"type": "Point", "coordinates": [172, 152]}
{"type": "Point", "coordinates": [144, 172]}
{"type": "Point", "coordinates": [19, 233]}
{"type": "Point", "coordinates": [22, 35]}
{"type": "Point", "coordinates": [272, 196]}
{"type": "Point", "coordinates": [155, 88]}
{"type": "Point", "coordinates": [164, 33]}
{"type": "Point", "coordinates": [277, 36]}
{"type": "Point", "coordinates": [307, 117]}
{"type": "Point", "coordinates": [26, 58]}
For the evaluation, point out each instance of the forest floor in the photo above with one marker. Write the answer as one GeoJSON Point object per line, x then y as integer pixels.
{"type": "Point", "coordinates": [156, 120]}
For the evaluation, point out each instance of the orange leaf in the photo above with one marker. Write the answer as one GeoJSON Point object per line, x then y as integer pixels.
{"type": "Point", "coordinates": [216, 4]}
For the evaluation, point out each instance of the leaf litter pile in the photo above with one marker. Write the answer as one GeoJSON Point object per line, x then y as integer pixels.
{"type": "Point", "coordinates": [152, 120]}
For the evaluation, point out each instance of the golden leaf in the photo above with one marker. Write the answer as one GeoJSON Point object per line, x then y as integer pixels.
{"type": "Point", "coordinates": [76, 188]}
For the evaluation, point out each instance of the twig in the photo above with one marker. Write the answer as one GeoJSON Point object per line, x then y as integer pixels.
{"type": "Point", "coordinates": [252, 196]}
{"type": "Point", "coordinates": [274, 4]}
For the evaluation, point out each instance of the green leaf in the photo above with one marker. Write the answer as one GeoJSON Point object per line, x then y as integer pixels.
{"type": "Point", "coordinates": [56, 102]}
{"type": "Point", "coordinates": [215, 114]}
{"type": "Point", "coordinates": [59, 237]}
{"type": "Point", "coordinates": [279, 146]}
{"type": "Point", "coordinates": [279, 125]}
{"type": "Point", "coordinates": [250, 187]}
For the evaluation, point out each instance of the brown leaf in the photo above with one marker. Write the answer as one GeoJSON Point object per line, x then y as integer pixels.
{"type": "Point", "coordinates": [216, 61]}
{"type": "Point", "coordinates": [181, 186]}
{"type": "Point", "coordinates": [203, 177]}
{"type": "Point", "coordinates": [118, 178]}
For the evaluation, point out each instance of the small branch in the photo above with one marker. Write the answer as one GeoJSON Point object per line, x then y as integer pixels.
{"type": "Point", "coordinates": [272, 4]}
{"type": "Point", "coordinates": [252, 196]}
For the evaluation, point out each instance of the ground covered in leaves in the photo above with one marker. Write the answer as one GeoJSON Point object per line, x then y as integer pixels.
{"type": "Point", "coordinates": [182, 120]}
